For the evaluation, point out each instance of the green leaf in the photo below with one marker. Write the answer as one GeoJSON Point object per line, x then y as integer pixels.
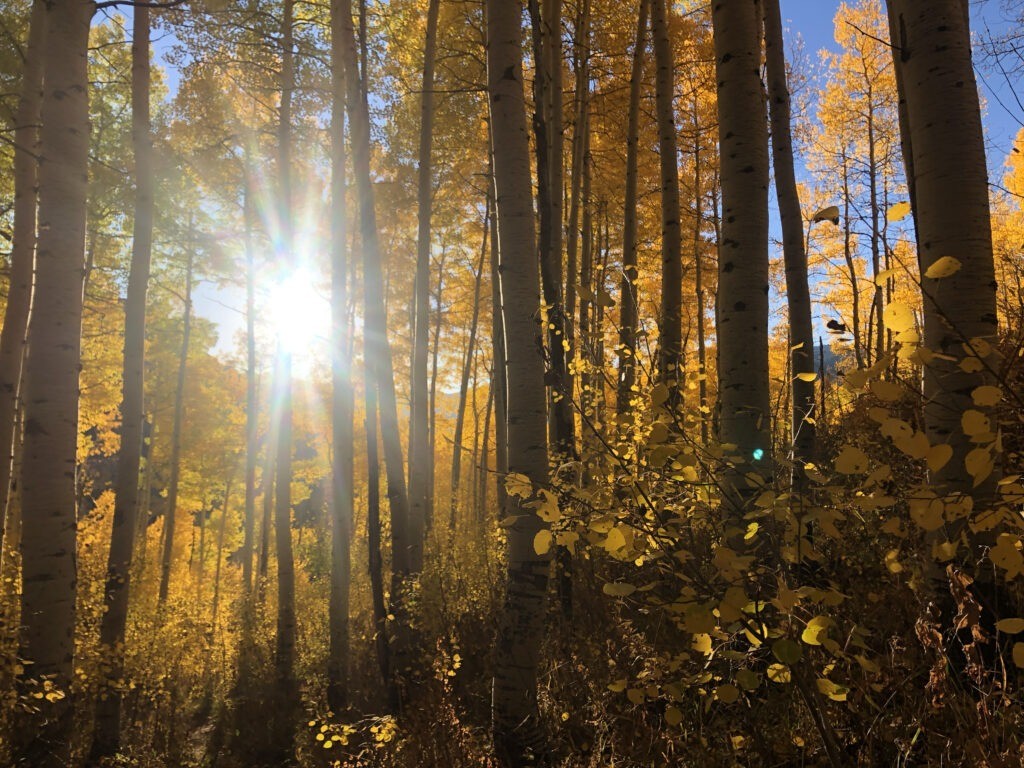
{"type": "Point", "coordinates": [618, 589]}
{"type": "Point", "coordinates": [787, 651]}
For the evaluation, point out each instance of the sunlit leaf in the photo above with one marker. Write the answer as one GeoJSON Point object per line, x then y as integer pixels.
{"type": "Point", "coordinates": [1010, 626]}
{"type": "Point", "coordinates": [897, 212]}
{"type": "Point", "coordinates": [898, 317]}
{"type": "Point", "coordinates": [779, 673]}
{"type": "Point", "coordinates": [542, 542]}
{"type": "Point", "coordinates": [944, 266]}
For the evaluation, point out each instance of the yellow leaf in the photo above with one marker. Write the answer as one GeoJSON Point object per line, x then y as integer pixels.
{"type": "Point", "coordinates": [1018, 654]}
{"type": "Point", "coordinates": [915, 446]}
{"type": "Point", "coordinates": [851, 461]}
{"type": "Point", "coordinates": [615, 540]}
{"type": "Point", "coordinates": [1010, 626]}
{"type": "Point", "coordinates": [897, 212]}
{"type": "Point", "coordinates": [518, 485]}
{"type": "Point", "coordinates": [810, 376]}
{"type": "Point", "coordinates": [542, 542]}
{"type": "Point", "coordinates": [886, 391]}
{"type": "Point", "coordinates": [816, 629]}
{"type": "Point", "coordinates": [831, 213]}
{"type": "Point", "coordinates": [986, 396]}
{"type": "Point", "coordinates": [944, 266]}
{"type": "Point", "coordinates": [1007, 554]}
{"type": "Point", "coordinates": [898, 317]}
{"type": "Point", "coordinates": [635, 695]}
{"type": "Point", "coordinates": [979, 465]}
{"type": "Point", "coordinates": [779, 673]}
{"type": "Point", "coordinates": [702, 644]}
{"type": "Point", "coordinates": [975, 423]}
{"type": "Point", "coordinates": [883, 276]}
{"type": "Point", "coordinates": [892, 561]}
{"type": "Point", "coordinates": [939, 456]}
{"type": "Point", "coordinates": [834, 691]}
{"type": "Point", "coordinates": [673, 716]}
{"type": "Point", "coordinates": [618, 686]}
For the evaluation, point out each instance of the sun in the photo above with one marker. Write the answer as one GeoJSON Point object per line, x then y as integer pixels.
{"type": "Point", "coordinates": [300, 314]}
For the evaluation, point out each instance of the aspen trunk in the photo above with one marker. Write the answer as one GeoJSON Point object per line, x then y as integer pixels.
{"type": "Point", "coordinates": [342, 406]}
{"type": "Point", "coordinates": [23, 248]}
{"type": "Point", "coordinates": [106, 735]}
{"type": "Point", "coordinates": [499, 380]}
{"type": "Point", "coordinates": [284, 649]}
{"type": "Point", "coordinates": [221, 530]}
{"type": "Point", "coordinates": [670, 331]}
{"type": "Point", "coordinates": [251, 401]}
{"type": "Point", "coordinates": [460, 411]}
{"type": "Point", "coordinates": [798, 297]}
{"type": "Point", "coordinates": [48, 533]}
{"type": "Point", "coordinates": [420, 491]}
{"type": "Point", "coordinates": [407, 554]}
{"type": "Point", "coordinates": [851, 266]}
{"type": "Point", "coordinates": [547, 124]}
{"type": "Point", "coordinates": [373, 535]}
{"type": "Point", "coordinates": [516, 723]}
{"type": "Point", "coordinates": [628, 308]}
{"type": "Point", "coordinates": [949, 185]}
{"type": "Point", "coordinates": [170, 515]}
{"type": "Point", "coordinates": [743, 249]}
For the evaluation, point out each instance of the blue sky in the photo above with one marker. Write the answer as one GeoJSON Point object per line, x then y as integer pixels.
{"type": "Point", "coordinates": [812, 21]}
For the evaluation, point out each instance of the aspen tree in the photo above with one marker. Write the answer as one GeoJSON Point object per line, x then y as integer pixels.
{"type": "Point", "coordinates": [106, 735]}
{"type": "Point", "coordinates": [744, 407]}
{"type": "Point", "coordinates": [48, 494]}
{"type": "Point", "coordinates": [515, 716]}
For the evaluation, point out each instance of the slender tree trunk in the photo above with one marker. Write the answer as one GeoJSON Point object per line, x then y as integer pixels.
{"type": "Point", "coordinates": [878, 338]}
{"type": "Point", "coordinates": [434, 356]}
{"type": "Point", "coordinates": [221, 530]}
{"type": "Point", "coordinates": [267, 483]}
{"type": "Point", "coordinates": [670, 346]}
{"type": "Point", "coordinates": [284, 649]}
{"type": "Point", "coordinates": [48, 533]}
{"type": "Point", "coordinates": [851, 266]}
{"type": "Point", "coordinates": [251, 401]}
{"type": "Point", "coordinates": [948, 180]}
{"type": "Point", "coordinates": [516, 721]}
{"type": "Point", "coordinates": [106, 735]}
{"type": "Point", "coordinates": [342, 417]}
{"type": "Point", "coordinates": [376, 560]}
{"type": "Point", "coordinates": [419, 428]}
{"type": "Point", "coordinates": [170, 516]}
{"type": "Point", "coordinates": [801, 330]}
{"type": "Point", "coordinates": [499, 377]}
{"type": "Point", "coordinates": [581, 65]}
{"type": "Point", "coordinates": [23, 247]}
{"type": "Point", "coordinates": [628, 308]}
{"type": "Point", "coordinates": [406, 549]}
{"type": "Point", "coordinates": [546, 125]}
{"type": "Point", "coordinates": [743, 260]}
{"type": "Point", "coordinates": [460, 411]}
{"type": "Point", "coordinates": [698, 275]}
